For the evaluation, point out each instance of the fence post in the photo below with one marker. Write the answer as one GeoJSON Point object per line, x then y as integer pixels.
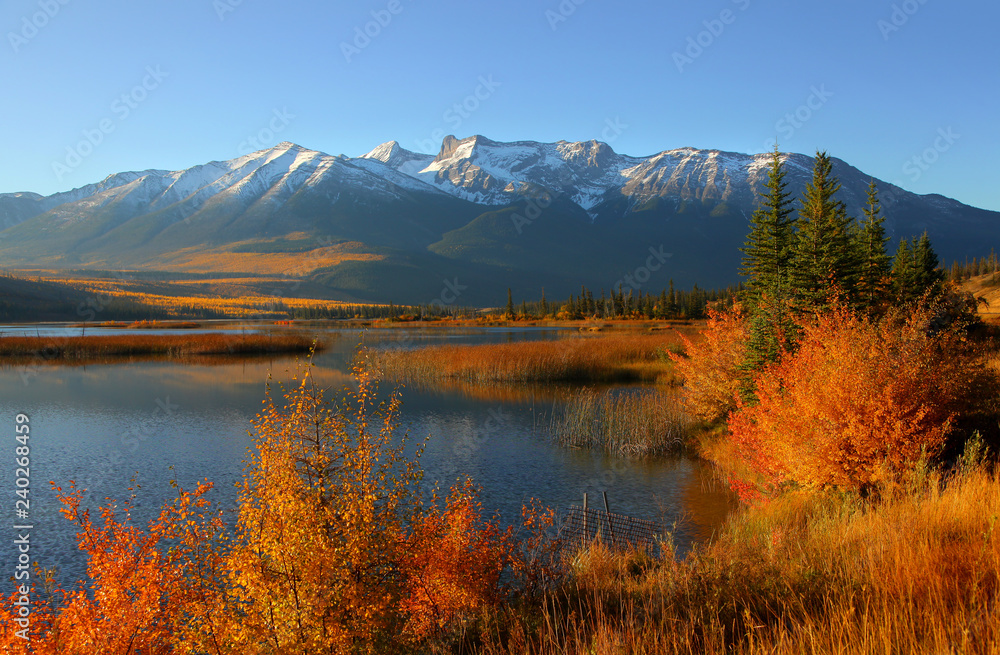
{"type": "Point", "coordinates": [607, 512]}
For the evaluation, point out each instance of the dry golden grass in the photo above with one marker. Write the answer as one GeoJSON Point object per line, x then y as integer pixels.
{"type": "Point", "coordinates": [602, 357]}
{"type": "Point", "coordinates": [630, 423]}
{"type": "Point", "coordinates": [986, 287]}
{"type": "Point", "coordinates": [195, 260]}
{"type": "Point", "coordinates": [61, 349]}
{"type": "Point", "coordinates": [917, 571]}
{"type": "Point", "coordinates": [177, 299]}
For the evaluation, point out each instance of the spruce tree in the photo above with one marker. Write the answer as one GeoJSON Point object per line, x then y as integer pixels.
{"type": "Point", "coordinates": [873, 276]}
{"type": "Point", "coordinates": [767, 251]}
{"type": "Point", "coordinates": [904, 279]}
{"type": "Point", "coordinates": [823, 261]}
{"type": "Point", "coordinates": [510, 306]}
{"type": "Point", "coordinates": [767, 257]}
{"type": "Point", "coordinates": [925, 266]}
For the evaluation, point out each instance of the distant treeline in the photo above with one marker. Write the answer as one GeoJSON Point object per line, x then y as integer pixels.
{"type": "Point", "coordinates": [669, 303]}
{"type": "Point", "coordinates": [972, 268]}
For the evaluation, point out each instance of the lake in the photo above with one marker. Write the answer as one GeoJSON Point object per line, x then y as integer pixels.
{"type": "Point", "coordinates": [156, 421]}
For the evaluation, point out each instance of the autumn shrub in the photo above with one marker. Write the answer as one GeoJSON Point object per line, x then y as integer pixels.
{"type": "Point", "coordinates": [150, 589]}
{"type": "Point", "coordinates": [335, 550]}
{"type": "Point", "coordinates": [857, 404]}
{"type": "Point", "coordinates": [711, 365]}
{"type": "Point", "coordinates": [453, 563]}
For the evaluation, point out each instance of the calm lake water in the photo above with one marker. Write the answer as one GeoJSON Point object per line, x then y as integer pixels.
{"type": "Point", "coordinates": [157, 421]}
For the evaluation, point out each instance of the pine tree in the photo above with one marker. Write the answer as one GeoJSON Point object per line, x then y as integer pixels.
{"type": "Point", "coordinates": [925, 265]}
{"type": "Point", "coordinates": [545, 305]}
{"type": "Point", "coordinates": [823, 261]}
{"type": "Point", "coordinates": [767, 251]}
{"type": "Point", "coordinates": [766, 262]}
{"type": "Point", "coordinates": [904, 279]}
{"type": "Point", "coordinates": [509, 313]}
{"type": "Point", "coordinates": [873, 277]}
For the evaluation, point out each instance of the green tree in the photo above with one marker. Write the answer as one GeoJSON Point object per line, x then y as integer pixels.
{"type": "Point", "coordinates": [823, 260]}
{"type": "Point", "coordinates": [767, 251]}
{"type": "Point", "coordinates": [925, 266]}
{"type": "Point", "coordinates": [875, 268]}
{"type": "Point", "coordinates": [767, 256]}
{"type": "Point", "coordinates": [509, 313]}
{"type": "Point", "coordinates": [904, 279]}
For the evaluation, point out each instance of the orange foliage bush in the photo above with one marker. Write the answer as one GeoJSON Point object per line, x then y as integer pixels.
{"type": "Point", "coordinates": [858, 403]}
{"type": "Point", "coordinates": [334, 551]}
{"type": "Point", "coordinates": [149, 589]}
{"type": "Point", "coordinates": [453, 564]}
{"type": "Point", "coordinates": [711, 365]}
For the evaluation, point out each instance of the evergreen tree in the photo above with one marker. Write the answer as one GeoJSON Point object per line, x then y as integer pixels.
{"type": "Point", "coordinates": [767, 251]}
{"type": "Point", "coordinates": [767, 257]}
{"type": "Point", "coordinates": [873, 277]}
{"type": "Point", "coordinates": [904, 279]}
{"type": "Point", "coordinates": [925, 266]}
{"type": "Point", "coordinates": [823, 260]}
{"type": "Point", "coordinates": [545, 305]}
{"type": "Point", "coordinates": [509, 313]}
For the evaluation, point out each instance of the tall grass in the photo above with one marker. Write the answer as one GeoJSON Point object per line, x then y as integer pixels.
{"type": "Point", "coordinates": [627, 423]}
{"type": "Point", "coordinates": [915, 571]}
{"type": "Point", "coordinates": [599, 358]}
{"type": "Point", "coordinates": [172, 345]}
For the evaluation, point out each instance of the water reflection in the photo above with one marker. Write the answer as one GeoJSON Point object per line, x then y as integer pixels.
{"type": "Point", "coordinates": [104, 424]}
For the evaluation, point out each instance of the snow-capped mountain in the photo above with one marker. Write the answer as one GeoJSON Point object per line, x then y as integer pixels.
{"type": "Point", "coordinates": [548, 214]}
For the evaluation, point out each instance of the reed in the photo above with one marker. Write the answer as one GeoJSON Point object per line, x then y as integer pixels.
{"type": "Point", "coordinates": [915, 571]}
{"type": "Point", "coordinates": [132, 345]}
{"type": "Point", "coordinates": [612, 357]}
{"type": "Point", "coordinates": [627, 423]}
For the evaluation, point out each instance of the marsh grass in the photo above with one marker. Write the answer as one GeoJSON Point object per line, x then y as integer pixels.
{"type": "Point", "coordinates": [60, 349]}
{"type": "Point", "coordinates": [599, 358]}
{"type": "Point", "coordinates": [915, 570]}
{"type": "Point", "coordinates": [624, 422]}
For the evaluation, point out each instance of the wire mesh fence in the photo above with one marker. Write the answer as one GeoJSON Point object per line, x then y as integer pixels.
{"type": "Point", "coordinates": [583, 525]}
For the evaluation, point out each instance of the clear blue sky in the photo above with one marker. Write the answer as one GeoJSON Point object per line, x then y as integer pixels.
{"type": "Point", "coordinates": [887, 90]}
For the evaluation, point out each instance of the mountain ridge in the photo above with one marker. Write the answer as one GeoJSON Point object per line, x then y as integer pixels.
{"type": "Point", "coordinates": [532, 214]}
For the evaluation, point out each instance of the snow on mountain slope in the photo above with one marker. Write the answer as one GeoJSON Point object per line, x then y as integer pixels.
{"type": "Point", "coordinates": [476, 169]}
{"type": "Point", "coordinates": [266, 179]}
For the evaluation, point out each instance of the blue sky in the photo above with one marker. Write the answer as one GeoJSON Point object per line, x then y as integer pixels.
{"type": "Point", "coordinates": [905, 90]}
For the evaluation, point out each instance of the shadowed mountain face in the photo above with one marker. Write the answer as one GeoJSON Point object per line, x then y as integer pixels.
{"type": "Point", "coordinates": [458, 227]}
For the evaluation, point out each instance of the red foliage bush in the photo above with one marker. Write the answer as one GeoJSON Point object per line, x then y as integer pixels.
{"type": "Point", "coordinates": [711, 365]}
{"type": "Point", "coordinates": [857, 404]}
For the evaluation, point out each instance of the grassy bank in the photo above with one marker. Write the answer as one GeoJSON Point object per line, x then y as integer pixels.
{"type": "Point", "coordinates": [915, 571]}
{"type": "Point", "coordinates": [602, 357]}
{"type": "Point", "coordinates": [626, 423]}
{"type": "Point", "coordinates": [57, 349]}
